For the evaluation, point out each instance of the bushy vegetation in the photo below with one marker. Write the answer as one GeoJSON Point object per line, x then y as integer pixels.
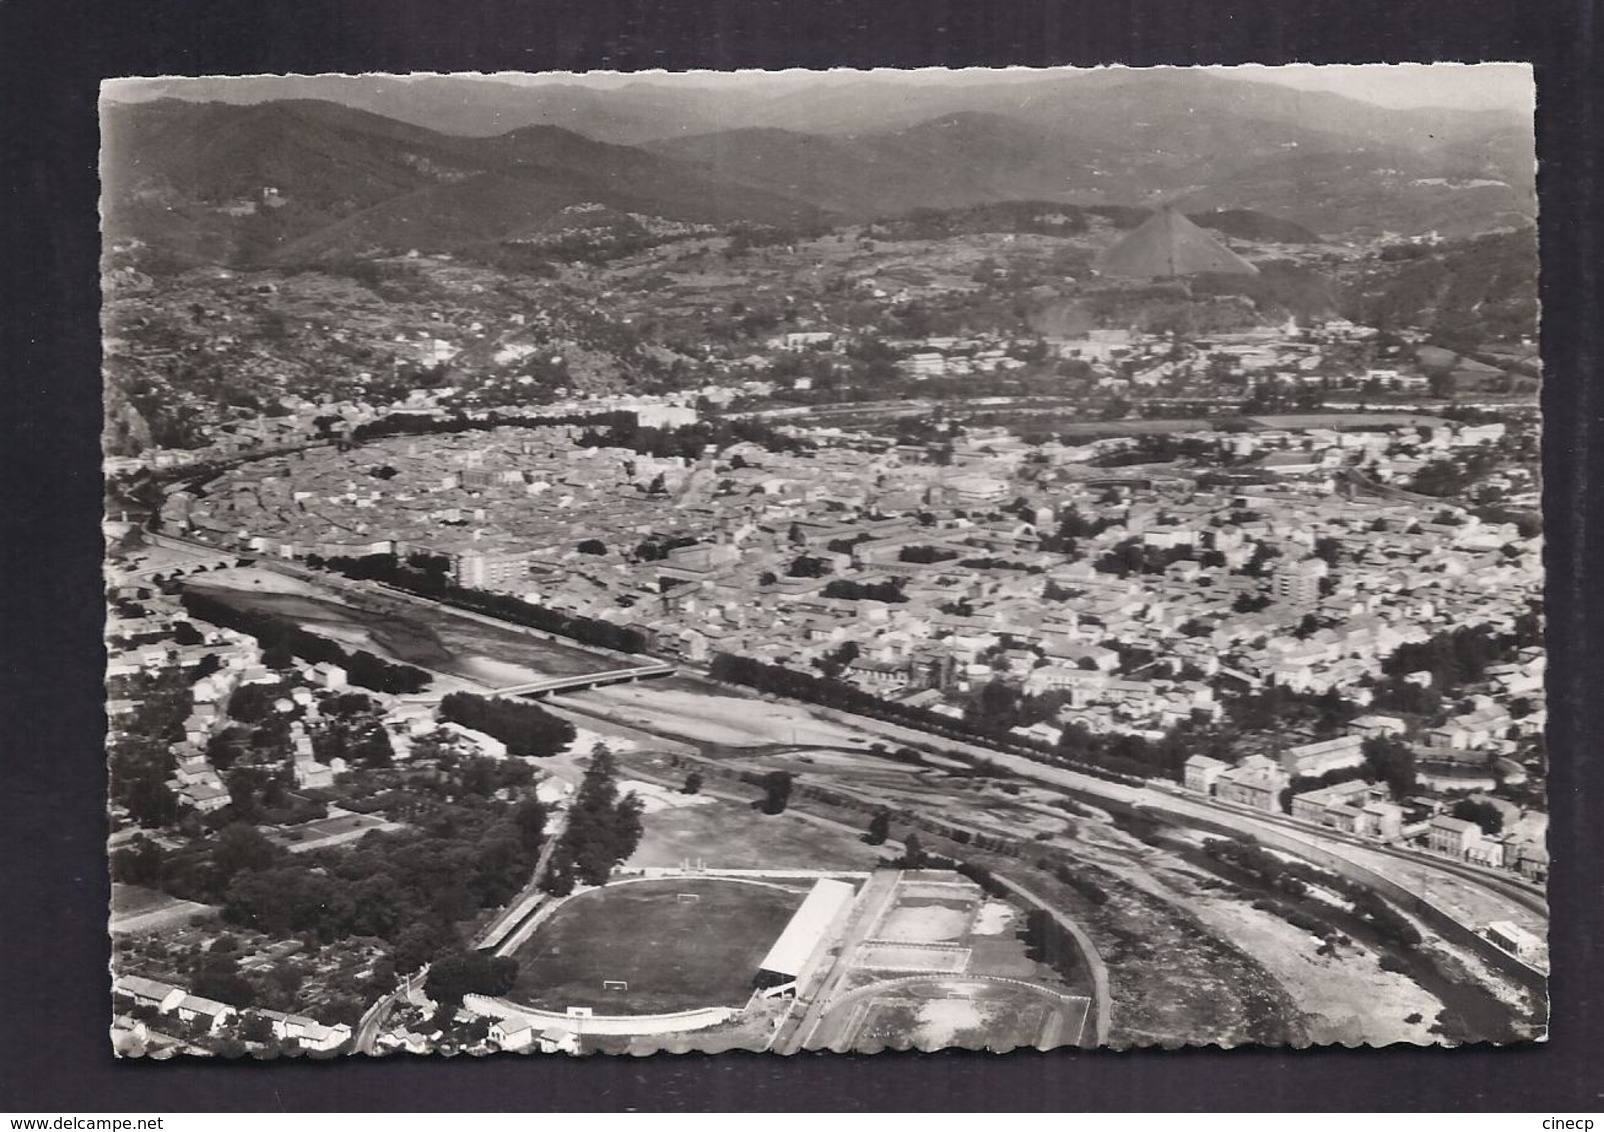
{"type": "Point", "coordinates": [1386, 760]}
{"type": "Point", "coordinates": [603, 829]}
{"type": "Point", "coordinates": [528, 730]}
{"type": "Point", "coordinates": [691, 440]}
{"type": "Point", "coordinates": [926, 555]}
{"type": "Point", "coordinates": [845, 589]}
{"type": "Point", "coordinates": [1453, 657]}
{"type": "Point", "coordinates": [1295, 878]}
{"type": "Point", "coordinates": [457, 973]}
{"type": "Point", "coordinates": [990, 722]}
{"type": "Point", "coordinates": [431, 583]}
{"type": "Point", "coordinates": [1081, 883]}
{"type": "Point", "coordinates": [1488, 816]}
{"type": "Point", "coordinates": [412, 424]}
{"type": "Point", "coordinates": [1465, 293]}
{"type": "Point", "coordinates": [1046, 941]}
{"type": "Point", "coordinates": [776, 791]}
{"type": "Point", "coordinates": [1047, 218]}
{"type": "Point", "coordinates": [408, 889]}
{"type": "Point", "coordinates": [280, 639]}
{"type": "Point", "coordinates": [140, 757]}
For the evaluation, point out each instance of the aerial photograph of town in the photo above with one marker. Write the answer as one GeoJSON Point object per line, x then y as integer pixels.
{"type": "Point", "coordinates": [823, 561]}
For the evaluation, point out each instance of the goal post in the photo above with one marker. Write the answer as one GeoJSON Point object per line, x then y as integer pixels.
{"type": "Point", "coordinates": [615, 985]}
{"type": "Point", "coordinates": [687, 897]}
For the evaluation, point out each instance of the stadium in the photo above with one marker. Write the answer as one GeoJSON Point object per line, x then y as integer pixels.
{"type": "Point", "coordinates": [664, 945]}
{"type": "Point", "coordinates": [789, 960]}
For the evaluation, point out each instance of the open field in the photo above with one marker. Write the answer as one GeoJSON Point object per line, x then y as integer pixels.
{"type": "Point", "coordinates": [926, 921]}
{"type": "Point", "coordinates": [673, 955]}
{"type": "Point", "coordinates": [406, 631]}
{"type": "Point", "coordinates": [687, 710]}
{"type": "Point", "coordinates": [132, 900]}
{"type": "Point", "coordinates": [147, 560]}
{"type": "Point", "coordinates": [731, 836]}
{"type": "Point", "coordinates": [136, 909]}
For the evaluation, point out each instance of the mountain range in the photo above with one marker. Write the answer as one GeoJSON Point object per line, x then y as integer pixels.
{"type": "Point", "coordinates": [452, 163]}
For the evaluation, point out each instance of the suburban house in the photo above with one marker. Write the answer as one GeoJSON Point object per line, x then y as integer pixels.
{"type": "Point", "coordinates": [1201, 772]}
{"type": "Point", "coordinates": [1489, 851]}
{"type": "Point", "coordinates": [518, 1033]}
{"type": "Point", "coordinates": [1375, 726]}
{"type": "Point", "coordinates": [308, 1033]}
{"type": "Point", "coordinates": [513, 1033]}
{"type": "Point", "coordinates": [212, 1014]}
{"type": "Point", "coordinates": [1454, 837]}
{"type": "Point", "coordinates": [1336, 806]}
{"type": "Point", "coordinates": [1317, 758]}
{"type": "Point", "coordinates": [1256, 781]}
{"type": "Point", "coordinates": [1382, 820]}
{"type": "Point", "coordinates": [164, 997]}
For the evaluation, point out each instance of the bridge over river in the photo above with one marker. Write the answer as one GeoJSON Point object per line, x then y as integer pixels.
{"type": "Point", "coordinates": [583, 681]}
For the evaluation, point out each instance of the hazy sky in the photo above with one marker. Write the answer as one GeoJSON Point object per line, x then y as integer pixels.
{"type": "Point", "coordinates": [1474, 86]}
{"type": "Point", "coordinates": [1478, 86]}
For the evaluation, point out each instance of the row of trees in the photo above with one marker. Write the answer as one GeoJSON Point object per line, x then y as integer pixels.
{"type": "Point", "coordinates": [890, 590]}
{"type": "Point", "coordinates": [775, 679]}
{"type": "Point", "coordinates": [528, 730]}
{"type": "Point", "coordinates": [139, 754]}
{"type": "Point", "coordinates": [926, 555]}
{"type": "Point", "coordinates": [1118, 754]}
{"type": "Point", "coordinates": [691, 440]}
{"type": "Point", "coordinates": [603, 829]}
{"type": "Point", "coordinates": [282, 639]}
{"type": "Point", "coordinates": [433, 584]}
{"type": "Point", "coordinates": [412, 424]}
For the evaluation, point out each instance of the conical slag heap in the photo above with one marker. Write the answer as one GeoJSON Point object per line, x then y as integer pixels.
{"type": "Point", "coordinates": [1167, 244]}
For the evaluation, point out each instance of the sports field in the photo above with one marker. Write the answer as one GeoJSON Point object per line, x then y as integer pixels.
{"type": "Point", "coordinates": [911, 957]}
{"type": "Point", "coordinates": [940, 1013]}
{"type": "Point", "coordinates": [673, 954]}
{"type": "Point", "coordinates": [927, 921]}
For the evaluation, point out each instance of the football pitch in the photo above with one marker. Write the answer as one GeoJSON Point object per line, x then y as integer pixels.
{"type": "Point", "coordinates": [645, 948]}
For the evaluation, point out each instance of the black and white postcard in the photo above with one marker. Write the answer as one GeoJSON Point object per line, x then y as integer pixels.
{"type": "Point", "coordinates": [847, 560]}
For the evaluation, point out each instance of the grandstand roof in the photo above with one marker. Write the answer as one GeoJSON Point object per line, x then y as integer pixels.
{"type": "Point", "coordinates": [805, 932]}
{"type": "Point", "coordinates": [1168, 244]}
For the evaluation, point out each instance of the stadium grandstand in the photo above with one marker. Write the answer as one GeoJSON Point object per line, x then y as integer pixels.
{"type": "Point", "coordinates": [798, 949]}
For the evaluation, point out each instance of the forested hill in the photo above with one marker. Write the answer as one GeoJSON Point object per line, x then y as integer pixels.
{"type": "Point", "coordinates": [1463, 293]}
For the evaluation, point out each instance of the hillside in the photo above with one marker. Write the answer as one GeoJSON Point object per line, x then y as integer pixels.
{"type": "Point", "coordinates": [306, 180]}
{"type": "Point", "coordinates": [870, 146]}
{"type": "Point", "coordinates": [949, 162]}
{"type": "Point", "coordinates": [1127, 154]}
{"type": "Point", "coordinates": [1465, 293]}
{"type": "Point", "coordinates": [1366, 191]}
{"type": "Point", "coordinates": [1248, 224]}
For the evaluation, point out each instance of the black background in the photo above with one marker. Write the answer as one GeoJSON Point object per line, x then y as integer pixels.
{"type": "Point", "coordinates": [54, 1054]}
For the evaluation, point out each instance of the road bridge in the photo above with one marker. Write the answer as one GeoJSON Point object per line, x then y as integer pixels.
{"type": "Point", "coordinates": [537, 688]}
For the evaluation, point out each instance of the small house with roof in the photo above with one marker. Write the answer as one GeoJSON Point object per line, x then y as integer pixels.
{"type": "Point", "coordinates": [160, 996]}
